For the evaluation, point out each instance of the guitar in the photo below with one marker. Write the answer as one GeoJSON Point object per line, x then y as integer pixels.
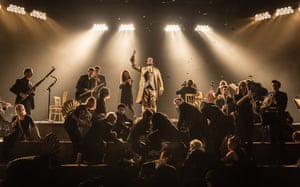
{"type": "Point", "coordinates": [91, 91]}
{"type": "Point", "coordinates": [31, 91]}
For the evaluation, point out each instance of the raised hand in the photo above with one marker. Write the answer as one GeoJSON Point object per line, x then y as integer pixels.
{"type": "Point", "coordinates": [132, 58]}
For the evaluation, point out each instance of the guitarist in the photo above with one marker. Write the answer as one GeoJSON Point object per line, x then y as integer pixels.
{"type": "Point", "coordinates": [24, 90]}
{"type": "Point", "coordinates": [85, 86]}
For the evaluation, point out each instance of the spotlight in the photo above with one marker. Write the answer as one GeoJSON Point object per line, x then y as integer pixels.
{"type": "Point", "coordinates": [284, 11]}
{"type": "Point", "coordinates": [99, 27]}
{"type": "Point", "coordinates": [126, 27]}
{"type": "Point", "coordinates": [38, 14]}
{"type": "Point", "coordinates": [172, 28]}
{"type": "Point", "coordinates": [262, 16]}
{"type": "Point", "coordinates": [16, 9]}
{"type": "Point", "coordinates": [202, 28]}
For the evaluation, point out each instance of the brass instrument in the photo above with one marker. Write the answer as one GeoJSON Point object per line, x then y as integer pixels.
{"type": "Point", "coordinates": [267, 102]}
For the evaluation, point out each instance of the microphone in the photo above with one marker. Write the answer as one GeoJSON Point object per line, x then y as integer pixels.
{"type": "Point", "coordinates": [52, 84]}
{"type": "Point", "coordinates": [53, 77]}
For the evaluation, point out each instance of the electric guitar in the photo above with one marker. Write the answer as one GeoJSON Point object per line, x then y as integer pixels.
{"type": "Point", "coordinates": [31, 91]}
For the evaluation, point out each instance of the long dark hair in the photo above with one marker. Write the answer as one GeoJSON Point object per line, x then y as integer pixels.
{"type": "Point", "coordinates": [123, 78]}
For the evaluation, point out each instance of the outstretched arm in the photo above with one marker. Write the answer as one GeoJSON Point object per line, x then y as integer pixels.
{"type": "Point", "coordinates": [133, 63]}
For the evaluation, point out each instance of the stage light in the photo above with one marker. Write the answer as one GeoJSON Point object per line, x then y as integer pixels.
{"type": "Point", "coordinates": [202, 28]}
{"type": "Point", "coordinates": [99, 27]}
{"type": "Point", "coordinates": [38, 14]}
{"type": "Point", "coordinates": [16, 9]}
{"type": "Point", "coordinates": [284, 11]}
{"type": "Point", "coordinates": [172, 28]}
{"type": "Point", "coordinates": [262, 16]}
{"type": "Point", "coordinates": [126, 27]}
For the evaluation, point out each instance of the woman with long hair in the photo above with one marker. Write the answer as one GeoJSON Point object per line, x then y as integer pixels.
{"type": "Point", "coordinates": [126, 90]}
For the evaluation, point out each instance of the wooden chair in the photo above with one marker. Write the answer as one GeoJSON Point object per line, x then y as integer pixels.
{"type": "Point", "coordinates": [55, 110]}
{"type": "Point", "coordinates": [64, 98]}
{"type": "Point", "coordinates": [192, 99]}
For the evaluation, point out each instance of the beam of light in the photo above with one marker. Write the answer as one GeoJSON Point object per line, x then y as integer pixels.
{"type": "Point", "coordinates": [172, 28]}
{"type": "Point", "coordinates": [115, 56]}
{"type": "Point", "coordinates": [16, 9]}
{"type": "Point", "coordinates": [99, 27]}
{"type": "Point", "coordinates": [67, 52]}
{"type": "Point", "coordinates": [278, 31]}
{"type": "Point", "coordinates": [119, 48]}
{"type": "Point", "coordinates": [26, 26]}
{"type": "Point", "coordinates": [126, 27]}
{"type": "Point", "coordinates": [202, 28]}
{"type": "Point", "coordinates": [38, 14]}
{"type": "Point", "coordinates": [71, 54]}
{"type": "Point", "coordinates": [262, 16]}
{"type": "Point", "coordinates": [284, 11]}
{"type": "Point", "coordinates": [82, 45]}
{"type": "Point", "coordinates": [182, 58]}
{"type": "Point", "coordinates": [240, 61]}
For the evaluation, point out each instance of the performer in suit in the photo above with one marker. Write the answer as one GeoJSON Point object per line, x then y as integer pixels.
{"type": "Point", "coordinates": [191, 120]}
{"type": "Point", "coordinates": [150, 85]}
{"type": "Point", "coordinates": [24, 91]}
{"type": "Point", "coordinates": [188, 88]}
{"type": "Point", "coordinates": [274, 116]}
{"type": "Point", "coordinates": [85, 86]}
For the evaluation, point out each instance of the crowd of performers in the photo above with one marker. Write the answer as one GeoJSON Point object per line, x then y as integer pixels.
{"type": "Point", "coordinates": [218, 130]}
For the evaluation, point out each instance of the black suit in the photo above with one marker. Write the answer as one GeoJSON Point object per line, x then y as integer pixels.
{"type": "Point", "coordinates": [193, 119]}
{"type": "Point", "coordinates": [95, 140]}
{"type": "Point", "coordinates": [23, 86]}
{"type": "Point", "coordinates": [186, 90]}
{"type": "Point", "coordinates": [277, 124]}
{"type": "Point", "coordinates": [84, 82]}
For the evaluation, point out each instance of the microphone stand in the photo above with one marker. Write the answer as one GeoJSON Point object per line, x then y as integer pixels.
{"type": "Point", "coordinates": [49, 92]}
